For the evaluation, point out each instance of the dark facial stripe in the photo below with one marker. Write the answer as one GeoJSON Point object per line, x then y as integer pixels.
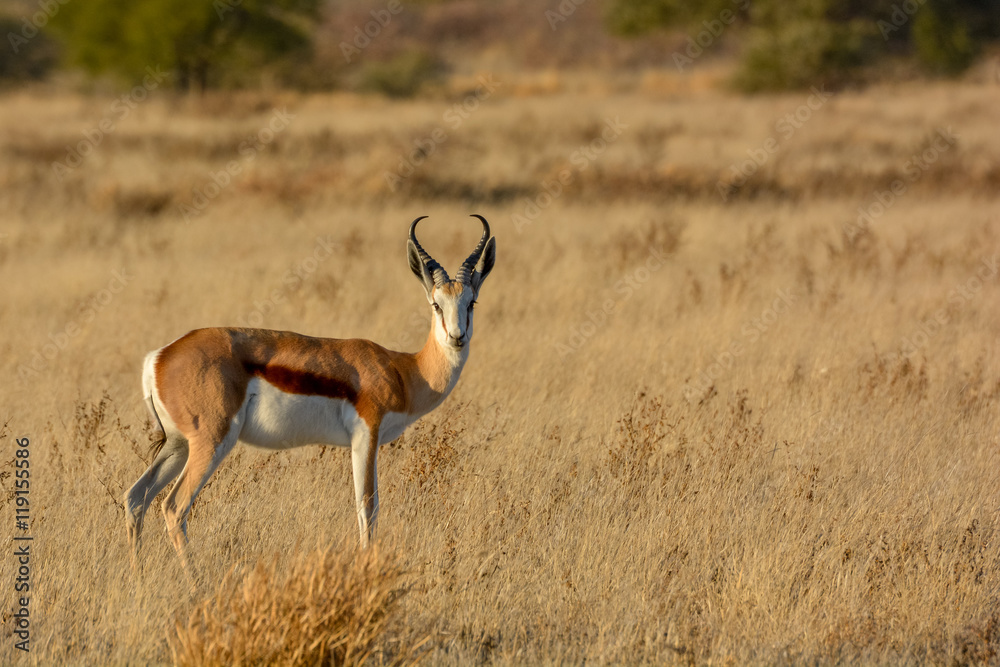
{"type": "Point", "coordinates": [303, 382]}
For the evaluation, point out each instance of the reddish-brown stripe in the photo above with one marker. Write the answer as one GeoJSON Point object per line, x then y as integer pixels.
{"type": "Point", "coordinates": [303, 382]}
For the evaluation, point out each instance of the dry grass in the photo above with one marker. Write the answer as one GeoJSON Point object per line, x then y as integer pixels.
{"type": "Point", "coordinates": [326, 609]}
{"type": "Point", "coordinates": [779, 447]}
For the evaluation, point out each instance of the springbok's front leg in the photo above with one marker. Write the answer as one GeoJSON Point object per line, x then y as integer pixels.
{"type": "Point", "coordinates": [364, 459]}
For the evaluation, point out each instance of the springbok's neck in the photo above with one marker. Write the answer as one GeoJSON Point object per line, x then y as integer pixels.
{"type": "Point", "coordinates": [439, 368]}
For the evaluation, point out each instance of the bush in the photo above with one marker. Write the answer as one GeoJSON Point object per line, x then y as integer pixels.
{"type": "Point", "coordinates": [634, 17]}
{"type": "Point", "coordinates": [331, 608]}
{"type": "Point", "coordinates": [799, 43]}
{"type": "Point", "coordinates": [204, 45]}
{"type": "Point", "coordinates": [402, 76]}
{"type": "Point", "coordinates": [800, 54]}
{"type": "Point", "coordinates": [942, 41]}
{"type": "Point", "coordinates": [25, 59]}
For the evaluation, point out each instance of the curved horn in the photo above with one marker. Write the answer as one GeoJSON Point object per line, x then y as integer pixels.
{"type": "Point", "coordinates": [464, 274]}
{"type": "Point", "coordinates": [437, 271]}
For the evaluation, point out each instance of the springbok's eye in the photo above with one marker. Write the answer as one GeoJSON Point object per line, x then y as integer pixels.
{"type": "Point", "coordinates": [472, 305]}
{"type": "Point", "coordinates": [437, 308]}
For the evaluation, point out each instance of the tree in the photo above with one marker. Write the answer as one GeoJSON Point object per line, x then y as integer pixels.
{"type": "Point", "coordinates": [203, 43]}
{"type": "Point", "coordinates": [805, 43]}
{"type": "Point", "coordinates": [27, 55]}
{"type": "Point", "coordinates": [799, 43]}
{"type": "Point", "coordinates": [634, 17]}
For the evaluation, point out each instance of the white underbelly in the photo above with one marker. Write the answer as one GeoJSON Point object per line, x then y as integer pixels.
{"type": "Point", "coordinates": [278, 420]}
{"type": "Point", "coordinates": [393, 425]}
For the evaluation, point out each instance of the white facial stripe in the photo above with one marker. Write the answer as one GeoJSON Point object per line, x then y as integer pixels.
{"type": "Point", "coordinates": [454, 322]}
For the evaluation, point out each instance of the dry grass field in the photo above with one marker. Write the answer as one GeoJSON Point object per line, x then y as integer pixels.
{"type": "Point", "coordinates": [708, 418]}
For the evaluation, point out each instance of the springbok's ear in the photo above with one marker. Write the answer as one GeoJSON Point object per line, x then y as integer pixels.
{"type": "Point", "coordinates": [419, 269]}
{"type": "Point", "coordinates": [485, 264]}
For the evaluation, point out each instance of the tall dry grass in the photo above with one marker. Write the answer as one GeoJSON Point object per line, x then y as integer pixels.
{"type": "Point", "coordinates": [780, 446]}
{"type": "Point", "coordinates": [324, 609]}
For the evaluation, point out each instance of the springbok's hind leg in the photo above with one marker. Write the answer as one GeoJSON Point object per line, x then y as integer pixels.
{"type": "Point", "coordinates": [166, 465]}
{"type": "Point", "coordinates": [205, 453]}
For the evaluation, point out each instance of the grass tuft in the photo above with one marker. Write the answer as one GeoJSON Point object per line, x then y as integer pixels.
{"type": "Point", "coordinates": [330, 607]}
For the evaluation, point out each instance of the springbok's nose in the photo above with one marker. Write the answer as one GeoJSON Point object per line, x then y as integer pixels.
{"type": "Point", "coordinates": [456, 340]}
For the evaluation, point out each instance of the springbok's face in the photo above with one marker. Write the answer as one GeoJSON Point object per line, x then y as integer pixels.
{"type": "Point", "coordinates": [452, 301]}
{"type": "Point", "coordinates": [452, 304]}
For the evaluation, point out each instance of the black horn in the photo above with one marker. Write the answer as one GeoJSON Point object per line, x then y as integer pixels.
{"type": "Point", "coordinates": [469, 266]}
{"type": "Point", "coordinates": [437, 271]}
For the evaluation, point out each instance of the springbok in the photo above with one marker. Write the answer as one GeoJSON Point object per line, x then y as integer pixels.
{"type": "Point", "coordinates": [278, 390]}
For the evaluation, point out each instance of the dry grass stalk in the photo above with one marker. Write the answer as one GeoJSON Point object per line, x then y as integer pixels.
{"type": "Point", "coordinates": [331, 607]}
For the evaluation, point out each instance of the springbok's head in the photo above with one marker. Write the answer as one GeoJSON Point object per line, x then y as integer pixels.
{"type": "Point", "coordinates": [452, 300]}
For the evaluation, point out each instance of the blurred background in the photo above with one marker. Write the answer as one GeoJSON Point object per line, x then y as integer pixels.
{"type": "Point", "coordinates": [312, 45]}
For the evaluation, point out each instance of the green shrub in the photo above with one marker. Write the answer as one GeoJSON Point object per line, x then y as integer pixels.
{"type": "Point", "coordinates": [23, 57]}
{"type": "Point", "coordinates": [634, 17]}
{"type": "Point", "coordinates": [799, 43]}
{"type": "Point", "coordinates": [942, 40]}
{"type": "Point", "coordinates": [402, 76]}
{"type": "Point", "coordinates": [203, 44]}
{"type": "Point", "coordinates": [800, 54]}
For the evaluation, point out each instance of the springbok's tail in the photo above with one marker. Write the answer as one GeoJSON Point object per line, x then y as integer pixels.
{"type": "Point", "coordinates": [156, 444]}
{"type": "Point", "coordinates": [148, 381]}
